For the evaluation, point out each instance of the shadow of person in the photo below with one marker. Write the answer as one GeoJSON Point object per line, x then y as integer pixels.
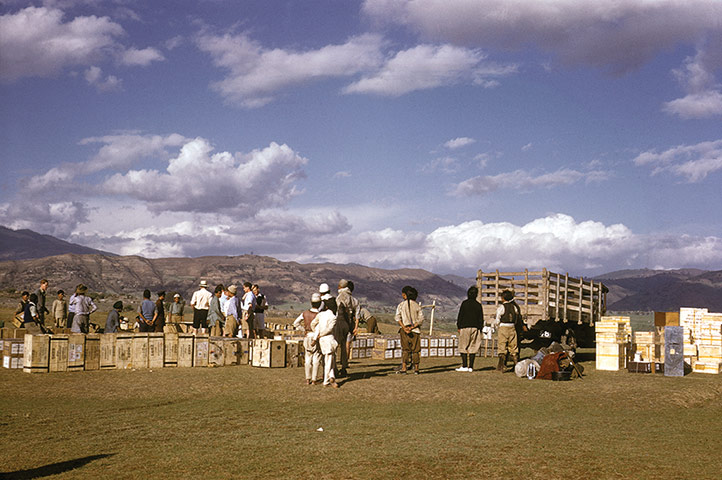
{"type": "Point", "coordinates": [52, 468]}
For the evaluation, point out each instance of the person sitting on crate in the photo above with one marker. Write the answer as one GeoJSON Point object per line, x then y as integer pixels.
{"type": "Point", "coordinates": [469, 322]}
{"type": "Point", "coordinates": [307, 320]}
{"type": "Point", "coordinates": [410, 317]}
{"type": "Point", "coordinates": [323, 336]}
{"type": "Point", "coordinates": [507, 316]}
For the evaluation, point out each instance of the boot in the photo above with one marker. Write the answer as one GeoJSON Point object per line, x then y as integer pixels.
{"type": "Point", "coordinates": [471, 362]}
{"type": "Point", "coordinates": [502, 362]}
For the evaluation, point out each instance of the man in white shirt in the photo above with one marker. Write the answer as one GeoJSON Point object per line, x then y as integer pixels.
{"type": "Point", "coordinates": [248, 306]}
{"type": "Point", "coordinates": [323, 335]}
{"type": "Point", "coordinates": [231, 310]}
{"type": "Point", "coordinates": [201, 301]}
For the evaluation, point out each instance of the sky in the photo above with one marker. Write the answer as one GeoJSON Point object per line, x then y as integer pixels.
{"type": "Point", "coordinates": [449, 135]}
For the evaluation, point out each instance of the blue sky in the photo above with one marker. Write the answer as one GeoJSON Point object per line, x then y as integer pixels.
{"type": "Point", "coordinates": [448, 135]}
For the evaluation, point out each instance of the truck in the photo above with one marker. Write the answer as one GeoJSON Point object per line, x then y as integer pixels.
{"type": "Point", "coordinates": [548, 301]}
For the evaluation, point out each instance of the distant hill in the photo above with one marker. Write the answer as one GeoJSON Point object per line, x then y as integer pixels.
{"type": "Point", "coordinates": [663, 290]}
{"type": "Point", "coordinates": [26, 244]}
{"type": "Point", "coordinates": [283, 282]}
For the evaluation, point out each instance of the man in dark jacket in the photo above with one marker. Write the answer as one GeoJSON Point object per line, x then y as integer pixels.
{"type": "Point", "coordinates": [508, 316]}
{"type": "Point", "coordinates": [112, 323]}
{"type": "Point", "coordinates": [469, 322]}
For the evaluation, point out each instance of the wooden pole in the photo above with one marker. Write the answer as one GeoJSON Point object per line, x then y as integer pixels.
{"type": "Point", "coordinates": [566, 295]}
{"type": "Point", "coordinates": [431, 326]}
{"type": "Point", "coordinates": [556, 300]}
{"type": "Point", "coordinates": [581, 298]}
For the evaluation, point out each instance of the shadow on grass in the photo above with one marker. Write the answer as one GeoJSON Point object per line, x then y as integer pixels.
{"type": "Point", "coordinates": [53, 468]}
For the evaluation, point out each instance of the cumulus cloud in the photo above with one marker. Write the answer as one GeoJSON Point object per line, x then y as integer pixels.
{"type": "Point", "coordinates": [36, 41]}
{"type": "Point", "coordinates": [694, 162]}
{"type": "Point", "coordinates": [94, 77]}
{"type": "Point", "coordinates": [198, 180]}
{"type": "Point", "coordinates": [459, 142]}
{"type": "Point", "coordinates": [256, 74]}
{"type": "Point", "coordinates": [59, 219]}
{"type": "Point", "coordinates": [141, 57]}
{"type": "Point", "coordinates": [124, 149]}
{"type": "Point", "coordinates": [617, 35]}
{"type": "Point", "coordinates": [429, 66]}
{"type": "Point", "coordinates": [522, 180]}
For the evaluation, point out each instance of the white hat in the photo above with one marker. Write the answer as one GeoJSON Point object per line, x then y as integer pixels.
{"type": "Point", "coordinates": [316, 297]}
{"type": "Point", "coordinates": [323, 288]}
{"type": "Point", "coordinates": [177, 295]}
{"type": "Point", "coordinates": [203, 283]}
{"type": "Point", "coordinates": [233, 289]}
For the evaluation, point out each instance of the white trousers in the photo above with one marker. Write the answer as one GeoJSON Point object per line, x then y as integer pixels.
{"type": "Point", "coordinates": [329, 362]}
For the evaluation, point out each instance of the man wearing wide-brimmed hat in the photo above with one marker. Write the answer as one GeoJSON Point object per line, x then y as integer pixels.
{"type": "Point", "coordinates": [201, 301]}
{"type": "Point", "coordinates": [84, 306]}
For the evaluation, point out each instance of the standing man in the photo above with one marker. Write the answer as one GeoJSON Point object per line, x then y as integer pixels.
{"type": "Point", "coordinates": [41, 293]}
{"type": "Point", "coordinates": [507, 316]}
{"type": "Point", "coordinates": [469, 322]}
{"type": "Point", "coordinates": [248, 307]}
{"type": "Point", "coordinates": [324, 337]}
{"type": "Point", "coordinates": [231, 310]}
{"type": "Point", "coordinates": [159, 322]}
{"type": "Point", "coordinates": [215, 315]}
{"type": "Point", "coordinates": [147, 313]}
{"type": "Point", "coordinates": [20, 310]}
{"type": "Point", "coordinates": [259, 314]}
{"type": "Point", "coordinates": [60, 310]}
{"type": "Point", "coordinates": [200, 301]}
{"type": "Point", "coordinates": [307, 319]}
{"type": "Point", "coordinates": [327, 298]}
{"type": "Point", "coordinates": [345, 323]}
{"type": "Point", "coordinates": [410, 317]}
{"type": "Point", "coordinates": [176, 309]}
{"type": "Point", "coordinates": [84, 306]}
{"type": "Point", "coordinates": [112, 323]}
{"type": "Point", "coordinates": [71, 305]}
{"type": "Point", "coordinates": [30, 315]}
{"type": "Point", "coordinates": [353, 329]}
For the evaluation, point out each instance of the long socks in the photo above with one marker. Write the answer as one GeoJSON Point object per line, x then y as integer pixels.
{"type": "Point", "coordinates": [463, 359]}
{"type": "Point", "coordinates": [471, 360]}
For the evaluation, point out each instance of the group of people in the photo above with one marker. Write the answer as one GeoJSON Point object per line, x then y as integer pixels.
{"type": "Point", "coordinates": [74, 312]}
{"type": "Point", "coordinates": [330, 322]}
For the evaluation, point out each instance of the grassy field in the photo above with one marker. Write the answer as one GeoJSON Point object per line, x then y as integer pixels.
{"type": "Point", "coordinates": [244, 422]}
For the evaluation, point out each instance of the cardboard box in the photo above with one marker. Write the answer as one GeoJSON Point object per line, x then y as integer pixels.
{"type": "Point", "coordinates": [170, 349]}
{"type": "Point", "coordinates": [92, 351]}
{"type": "Point", "coordinates": [269, 353]}
{"type": "Point", "coordinates": [124, 350]}
{"type": "Point", "coordinates": [58, 353]}
{"type": "Point", "coordinates": [185, 349]}
{"type": "Point", "coordinates": [200, 351]}
{"type": "Point", "coordinates": [76, 352]}
{"type": "Point", "coordinates": [664, 319]}
{"type": "Point", "coordinates": [107, 351]}
{"type": "Point", "coordinates": [216, 352]}
{"type": "Point", "coordinates": [140, 351]}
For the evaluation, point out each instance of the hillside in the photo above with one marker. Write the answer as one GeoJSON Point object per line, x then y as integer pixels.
{"type": "Point", "coordinates": [26, 244]}
{"type": "Point", "coordinates": [283, 282]}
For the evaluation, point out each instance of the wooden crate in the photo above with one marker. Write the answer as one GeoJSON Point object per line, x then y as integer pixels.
{"type": "Point", "coordinates": [76, 352]}
{"type": "Point", "coordinates": [92, 351]}
{"type": "Point", "coordinates": [139, 353]}
{"type": "Point", "coordinates": [200, 351]}
{"type": "Point", "coordinates": [269, 353]}
{"type": "Point", "coordinates": [170, 350]}
{"type": "Point", "coordinates": [294, 353]}
{"type": "Point", "coordinates": [611, 356]}
{"type": "Point", "coordinates": [124, 350]}
{"type": "Point", "coordinates": [107, 351]}
{"type": "Point", "coordinates": [216, 352]}
{"type": "Point", "coordinates": [36, 354]}
{"type": "Point", "coordinates": [707, 367]}
{"type": "Point", "coordinates": [666, 319]}
{"type": "Point", "coordinates": [156, 346]}
{"type": "Point", "coordinates": [58, 353]}
{"type": "Point", "coordinates": [231, 351]}
{"type": "Point", "coordinates": [185, 349]}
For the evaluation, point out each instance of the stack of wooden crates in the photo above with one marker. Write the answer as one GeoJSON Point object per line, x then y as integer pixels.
{"type": "Point", "coordinates": [613, 336]}
{"type": "Point", "coordinates": [703, 333]}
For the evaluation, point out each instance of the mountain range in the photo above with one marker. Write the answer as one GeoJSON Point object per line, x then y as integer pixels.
{"type": "Point", "coordinates": [27, 256]}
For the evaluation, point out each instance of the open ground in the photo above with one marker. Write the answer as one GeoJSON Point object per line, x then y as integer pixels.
{"type": "Point", "coordinates": [245, 422]}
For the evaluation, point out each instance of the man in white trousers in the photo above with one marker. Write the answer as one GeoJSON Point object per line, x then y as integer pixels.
{"type": "Point", "coordinates": [323, 335]}
{"type": "Point", "coordinates": [308, 321]}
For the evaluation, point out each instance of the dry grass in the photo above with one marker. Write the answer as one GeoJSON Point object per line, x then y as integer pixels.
{"type": "Point", "coordinates": [244, 422]}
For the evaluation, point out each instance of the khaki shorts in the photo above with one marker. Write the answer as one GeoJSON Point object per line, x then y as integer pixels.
{"type": "Point", "coordinates": [247, 321]}
{"type": "Point", "coordinates": [229, 329]}
{"type": "Point", "coordinates": [176, 319]}
{"type": "Point", "coordinates": [469, 340]}
{"type": "Point", "coordinates": [507, 341]}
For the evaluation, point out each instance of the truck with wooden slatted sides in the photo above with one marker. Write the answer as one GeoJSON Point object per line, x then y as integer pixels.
{"type": "Point", "coordinates": [548, 301]}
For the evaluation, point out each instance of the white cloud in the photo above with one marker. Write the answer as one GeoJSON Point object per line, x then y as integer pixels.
{"type": "Point", "coordinates": [198, 180]}
{"type": "Point", "coordinates": [527, 147]}
{"type": "Point", "coordinates": [459, 142]}
{"type": "Point", "coordinates": [429, 66]}
{"type": "Point", "coordinates": [696, 105]}
{"type": "Point", "coordinates": [341, 174]}
{"type": "Point", "coordinates": [694, 162]}
{"type": "Point", "coordinates": [619, 35]}
{"type": "Point", "coordinates": [142, 57]}
{"type": "Point", "coordinates": [94, 77]}
{"type": "Point", "coordinates": [256, 74]}
{"type": "Point", "coordinates": [522, 180]}
{"type": "Point", "coordinates": [124, 149]}
{"type": "Point", "coordinates": [444, 164]}
{"type": "Point", "coordinates": [59, 219]}
{"type": "Point", "coordinates": [37, 42]}
{"type": "Point", "coordinates": [703, 97]}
